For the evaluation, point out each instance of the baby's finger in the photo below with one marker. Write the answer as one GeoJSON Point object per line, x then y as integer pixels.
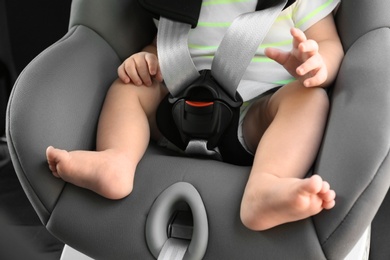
{"type": "Point", "coordinates": [277, 55]}
{"type": "Point", "coordinates": [131, 71]}
{"type": "Point", "coordinates": [154, 67]}
{"type": "Point", "coordinates": [298, 36]}
{"type": "Point", "coordinates": [309, 47]}
{"type": "Point", "coordinates": [152, 63]}
{"type": "Point", "coordinates": [318, 79]}
{"type": "Point", "coordinates": [312, 63]}
{"type": "Point", "coordinates": [143, 73]}
{"type": "Point", "coordinates": [122, 74]}
{"type": "Point", "coordinates": [159, 76]}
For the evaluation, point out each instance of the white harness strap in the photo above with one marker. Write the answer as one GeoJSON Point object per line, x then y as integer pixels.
{"type": "Point", "coordinates": [176, 64]}
{"type": "Point", "coordinates": [239, 45]}
{"type": "Point", "coordinates": [232, 57]}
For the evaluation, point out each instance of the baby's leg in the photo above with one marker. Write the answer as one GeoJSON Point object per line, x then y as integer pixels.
{"type": "Point", "coordinates": [285, 130]}
{"type": "Point", "coordinates": [125, 124]}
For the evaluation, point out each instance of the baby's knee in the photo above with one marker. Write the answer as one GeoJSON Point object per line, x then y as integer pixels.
{"type": "Point", "coordinates": [118, 86]}
{"type": "Point", "coordinates": [316, 102]}
{"type": "Point", "coordinates": [320, 98]}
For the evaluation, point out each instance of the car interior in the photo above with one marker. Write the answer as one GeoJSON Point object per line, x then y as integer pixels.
{"type": "Point", "coordinates": [57, 60]}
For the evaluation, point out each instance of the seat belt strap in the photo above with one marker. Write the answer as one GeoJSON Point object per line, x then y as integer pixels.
{"type": "Point", "coordinates": [232, 57]}
{"type": "Point", "coordinates": [176, 63]}
{"type": "Point", "coordinates": [173, 249]}
{"type": "Point", "coordinates": [239, 45]}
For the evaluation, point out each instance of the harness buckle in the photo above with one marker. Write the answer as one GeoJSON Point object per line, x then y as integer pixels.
{"type": "Point", "coordinates": [203, 111]}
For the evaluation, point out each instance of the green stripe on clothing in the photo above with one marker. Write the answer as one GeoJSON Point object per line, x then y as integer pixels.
{"type": "Point", "coordinates": [284, 82]}
{"type": "Point", "coordinates": [283, 18]}
{"type": "Point", "coordinates": [313, 13]}
{"type": "Point", "coordinates": [276, 44]}
{"type": "Point", "coordinates": [261, 59]}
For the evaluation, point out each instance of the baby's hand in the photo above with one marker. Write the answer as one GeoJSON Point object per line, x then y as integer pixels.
{"type": "Point", "coordinates": [304, 62]}
{"type": "Point", "coordinates": [140, 68]}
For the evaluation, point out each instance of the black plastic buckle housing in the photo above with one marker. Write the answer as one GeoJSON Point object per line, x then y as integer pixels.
{"type": "Point", "coordinates": [204, 110]}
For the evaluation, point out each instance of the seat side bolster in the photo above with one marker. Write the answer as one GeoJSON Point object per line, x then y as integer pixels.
{"type": "Point", "coordinates": [354, 156]}
{"type": "Point", "coordinates": [70, 77]}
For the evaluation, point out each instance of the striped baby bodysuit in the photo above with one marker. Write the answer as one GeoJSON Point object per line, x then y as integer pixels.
{"type": "Point", "coordinates": [262, 73]}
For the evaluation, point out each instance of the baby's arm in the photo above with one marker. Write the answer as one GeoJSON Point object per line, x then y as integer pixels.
{"type": "Point", "coordinates": [141, 67]}
{"type": "Point", "coordinates": [316, 54]}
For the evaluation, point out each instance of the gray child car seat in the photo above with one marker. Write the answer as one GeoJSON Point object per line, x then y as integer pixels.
{"type": "Point", "coordinates": [57, 99]}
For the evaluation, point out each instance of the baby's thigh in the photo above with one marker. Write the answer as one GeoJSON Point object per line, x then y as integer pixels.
{"type": "Point", "coordinates": [150, 99]}
{"type": "Point", "coordinates": [256, 121]}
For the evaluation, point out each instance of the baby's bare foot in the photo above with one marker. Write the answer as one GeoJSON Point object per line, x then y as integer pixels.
{"type": "Point", "coordinates": [280, 200]}
{"type": "Point", "coordinates": [107, 173]}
